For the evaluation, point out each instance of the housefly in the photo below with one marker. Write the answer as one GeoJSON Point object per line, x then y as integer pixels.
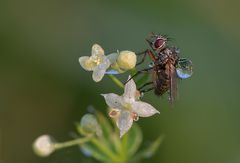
{"type": "Point", "coordinates": [166, 67]}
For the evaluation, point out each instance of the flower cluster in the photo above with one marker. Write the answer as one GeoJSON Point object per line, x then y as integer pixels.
{"type": "Point", "coordinates": [95, 136]}
{"type": "Point", "coordinates": [98, 62]}
{"type": "Point", "coordinates": [125, 108]}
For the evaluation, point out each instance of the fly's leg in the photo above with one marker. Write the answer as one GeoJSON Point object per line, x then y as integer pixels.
{"type": "Point", "coordinates": [146, 90]}
{"type": "Point", "coordinates": [142, 91]}
{"type": "Point", "coordinates": [143, 58]}
{"type": "Point", "coordinates": [144, 85]}
{"type": "Point", "coordinates": [139, 72]}
{"type": "Point", "coordinates": [151, 55]}
{"type": "Point", "coordinates": [145, 53]}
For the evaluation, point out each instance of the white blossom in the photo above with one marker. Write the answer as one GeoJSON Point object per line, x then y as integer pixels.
{"type": "Point", "coordinates": [126, 108]}
{"type": "Point", "coordinates": [97, 62]}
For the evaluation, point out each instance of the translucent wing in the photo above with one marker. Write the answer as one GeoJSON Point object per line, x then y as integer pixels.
{"type": "Point", "coordinates": [184, 68]}
{"type": "Point", "coordinates": [173, 83]}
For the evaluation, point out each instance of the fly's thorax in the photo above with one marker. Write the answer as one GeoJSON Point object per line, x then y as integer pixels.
{"type": "Point", "coordinates": [168, 56]}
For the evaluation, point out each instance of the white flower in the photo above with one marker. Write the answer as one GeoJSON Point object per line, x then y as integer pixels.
{"type": "Point", "coordinates": [43, 146]}
{"type": "Point", "coordinates": [120, 62]}
{"type": "Point", "coordinates": [126, 108]}
{"type": "Point", "coordinates": [97, 62]}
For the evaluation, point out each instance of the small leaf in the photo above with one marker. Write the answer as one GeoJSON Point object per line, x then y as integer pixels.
{"type": "Point", "coordinates": [134, 140]}
{"type": "Point", "coordinates": [116, 142]}
{"type": "Point", "coordinates": [90, 150]}
{"type": "Point", "coordinates": [152, 148]}
{"type": "Point", "coordinates": [105, 124]}
{"type": "Point", "coordinates": [79, 128]}
{"type": "Point", "coordinates": [149, 151]}
{"type": "Point", "coordinates": [107, 130]}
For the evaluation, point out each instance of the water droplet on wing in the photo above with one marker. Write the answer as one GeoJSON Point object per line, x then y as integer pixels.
{"type": "Point", "coordinates": [184, 68]}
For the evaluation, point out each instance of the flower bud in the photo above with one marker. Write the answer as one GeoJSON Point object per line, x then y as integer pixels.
{"type": "Point", "coordinates": [43, 146]}
{"type": "Point", "coordinates": [127, 60]}
{"type": "Point", "coordinates": [89, 125]}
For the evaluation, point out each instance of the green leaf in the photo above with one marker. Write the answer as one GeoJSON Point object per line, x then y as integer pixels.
{"type": "Point", "coordinates": [79, 128]}
{"type": "Point", "coordinates": [105, 124]}
{"type": "Point", "coordinates": [149, 151]}
{"type": "Point", "coordinates": [116, 142]}
{"type": "Point", "coordinates": [90, 150]}
{"type": "Point", "coordinates": [107, 131]}
{"type": "Point", "coordinates": [101, 145]}
{"type": "Point", "coordinates": [134, 140]}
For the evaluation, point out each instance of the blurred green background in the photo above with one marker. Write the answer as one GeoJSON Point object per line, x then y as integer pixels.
{"type": "Point", "coordinates": [43, 89]}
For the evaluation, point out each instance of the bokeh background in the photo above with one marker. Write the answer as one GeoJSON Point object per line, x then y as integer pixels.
{"type": "Point", "coordinates": [44, 90]}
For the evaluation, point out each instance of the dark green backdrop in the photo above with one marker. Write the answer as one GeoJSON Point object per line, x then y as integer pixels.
{"type": "Point", "coordinates": [44, 90]}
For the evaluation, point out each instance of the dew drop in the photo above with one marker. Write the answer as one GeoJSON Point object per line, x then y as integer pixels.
{"type": "Point", "coordinates": [184, 68]}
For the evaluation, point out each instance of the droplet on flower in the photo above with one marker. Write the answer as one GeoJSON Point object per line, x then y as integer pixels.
{"type": "Point", "coordinates": [44, 145]}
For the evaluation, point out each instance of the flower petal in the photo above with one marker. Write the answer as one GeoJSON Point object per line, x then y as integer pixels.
{"type": "Point", "coordinates": [97, 51]}
{"type": "Point", "coordinates": [130, 90]}
{"type": "Point", "coordinates": [86, 63]}
{"type": "Point", "coordinates": [124, 122]}
{"type": "Point", "coordinates": [113, 57]}
{"type": "Point", "coordinates": [143, 109]}
{"type": "Point", "coordinates": [100, 70]}
{"type": "Point", "coordinates": [113, 100]}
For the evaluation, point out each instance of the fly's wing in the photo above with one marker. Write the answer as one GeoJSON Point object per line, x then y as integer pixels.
{"type": "Point", "coordinates": [172, 84]}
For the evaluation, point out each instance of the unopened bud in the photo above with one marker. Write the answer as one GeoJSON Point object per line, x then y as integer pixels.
{"type": "Point", "coordinates": [89, 124]}
{"type": "Point", "coordinates": [127, 60]}
{"type": "Point", "coordinates": [43, 146]}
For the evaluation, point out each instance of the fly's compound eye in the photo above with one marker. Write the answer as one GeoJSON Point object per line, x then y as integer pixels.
{"type": "Point", "coordinates": [159, 43]}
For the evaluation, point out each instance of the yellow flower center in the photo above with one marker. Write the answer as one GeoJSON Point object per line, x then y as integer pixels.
{"type": "Point", "coordinates": [127, 106]}
{"type": "Point", "coordinates": [96, 60]}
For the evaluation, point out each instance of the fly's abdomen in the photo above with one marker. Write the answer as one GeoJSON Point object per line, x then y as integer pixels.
{"type": "Point", "coordinates": [161, 82]}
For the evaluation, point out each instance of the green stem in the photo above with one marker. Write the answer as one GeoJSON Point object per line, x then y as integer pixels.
{"type": "Point", "coordinates": [116, 81]}
{"type": "Point", "coordinates": [124, 148]}
{"type": "Point", "coordinates": [133, 71]}
{"type": "Point", "coordinates": [72, 142]}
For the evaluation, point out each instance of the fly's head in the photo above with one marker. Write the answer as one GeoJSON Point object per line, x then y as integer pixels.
{"type": "Point", "coordinates": [157, 42]}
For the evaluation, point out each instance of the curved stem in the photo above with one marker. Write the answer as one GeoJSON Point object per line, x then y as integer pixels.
{"type": "Point", "coordinates": [116, 81]}
{"type": "Point", "coordinates": [72, 142]}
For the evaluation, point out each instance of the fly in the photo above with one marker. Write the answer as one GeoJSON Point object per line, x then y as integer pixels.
{"type": "Point", "coordinates": [166, 67]}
